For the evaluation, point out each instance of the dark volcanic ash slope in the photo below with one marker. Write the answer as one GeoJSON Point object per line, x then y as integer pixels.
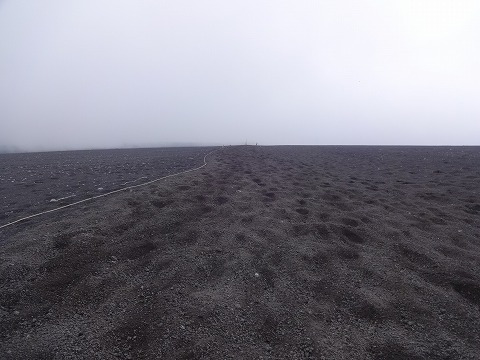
{"type": "Point", "coordinates": [35, 182]}
{"type": "Point", "coordinates": [282, 252]}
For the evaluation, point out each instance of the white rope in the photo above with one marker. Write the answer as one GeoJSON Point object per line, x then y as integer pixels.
{"type": "Point", "coordinates": [109, 193]}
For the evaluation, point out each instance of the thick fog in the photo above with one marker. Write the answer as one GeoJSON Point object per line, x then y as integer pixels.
{"type": "Point", "coordinates": [115, 73]}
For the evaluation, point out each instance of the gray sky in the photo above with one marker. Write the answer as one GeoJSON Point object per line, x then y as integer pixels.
{"type": "Point", "coordinates": [111, 73]}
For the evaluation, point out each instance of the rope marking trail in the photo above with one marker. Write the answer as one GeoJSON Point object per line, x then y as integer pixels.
{"type": "Point", "coordinates": [109, 193]}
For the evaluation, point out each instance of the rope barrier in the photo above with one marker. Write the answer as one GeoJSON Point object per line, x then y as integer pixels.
{"type": "Point", "coordinates": [109, 193]}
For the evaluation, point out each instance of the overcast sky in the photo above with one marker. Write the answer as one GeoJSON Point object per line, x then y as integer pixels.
{"type": "Point", "coordinates": [112, 73]}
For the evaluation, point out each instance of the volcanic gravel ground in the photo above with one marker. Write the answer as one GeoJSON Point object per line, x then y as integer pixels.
{"type": "Point", "coordinates": [267, 252]}
{"type": "Point", "coordinates": [34, 182]}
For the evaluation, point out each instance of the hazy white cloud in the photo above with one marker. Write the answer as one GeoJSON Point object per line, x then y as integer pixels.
{"type": "Point", "coordinates": [109, 73]}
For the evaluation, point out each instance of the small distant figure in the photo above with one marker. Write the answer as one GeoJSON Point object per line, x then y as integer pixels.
{"type": "Point", "coordinates": [256, 144]}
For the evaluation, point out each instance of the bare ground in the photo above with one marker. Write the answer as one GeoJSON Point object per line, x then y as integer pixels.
{"type": "Point", "coordinates": [267, 252]}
